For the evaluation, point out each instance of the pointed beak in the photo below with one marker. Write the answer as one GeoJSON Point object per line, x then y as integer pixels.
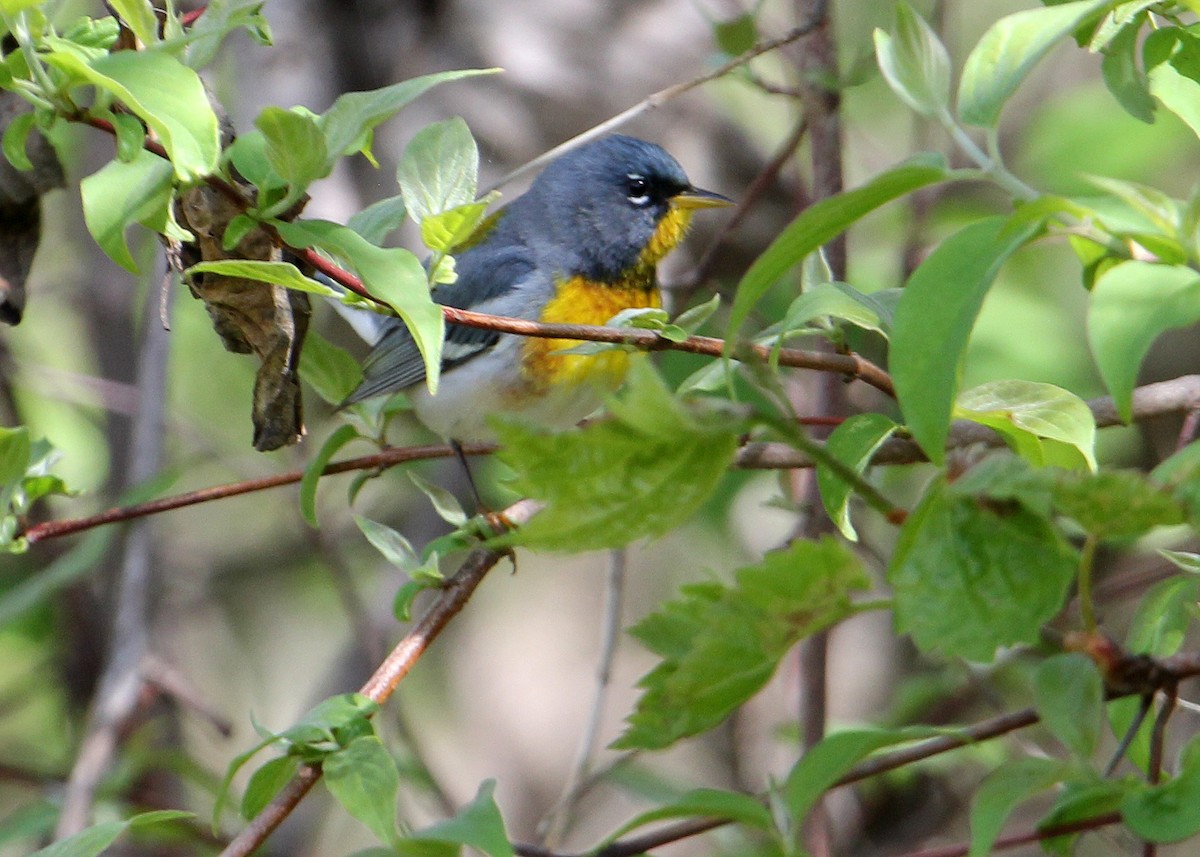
{"type": "Point", "coordinates": [694, 197]}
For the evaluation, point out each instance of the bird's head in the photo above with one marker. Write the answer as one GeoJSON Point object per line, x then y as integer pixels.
{"type": "Point", "coordinates": [615, 207]}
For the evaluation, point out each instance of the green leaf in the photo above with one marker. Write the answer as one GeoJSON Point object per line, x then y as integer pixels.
{"type": "Point", "coordinates": [278, 273]}
{"type": "Point", "coordinates": [138, 16]}
{"type": "Point", "coordinates": [1078, 801]}
{"type": "Point", "coordinates": [130, 133]}
{"type": "Point", "coordinates": [312, 473]}
{"type": "Point", "coordinates": [329, 726]}
{"type": "Point", "coordinates": [1124, 78]}
{"type": "Point", "coordinates": [638, 474]}
{"type": "Point", "coordinates": [395, 548]}
{"type": "Point", "coordinates": [445, 231]}
{"type": "Point", "coordinates": [823, 221]}
{"type": "Point", "coordinates": [1115, 504]}
{"type": "Point", "coordinates": [1068, 693]}
{"type": "Point", "coordinates": [12, 7]}
{"type": "Point", "coordinates": [831, 758]}
{"type": "Point", "coordinates": [934, 320]}
{"type": "Point", "coordinates": [853, 443]}
{"type": "Point", "coordinates": [121, 194]}
{"type": "Point", "coordinates": [1182, 560]}
{"type": "Point", "coordinates": [702, 803]}
{"type": "Point", "coordinates": [15, 136]}
{"type": "Point", "coordinates": [94, 840]}
{"type": "Point", "coordinates": [295, 149]}
{"type": "Point", "coordinates": [1173, 59]}
{"type": "Point", "coordinates": [220, 18]}
{"type": "Point", "coordinates": [1027, 412]}
{"type": "Point", "coordinates": [380, 219]}
{"type": "Point", "coordinates": [736, 35]}
{"type": "Point", "coordinates": [721, 644]}
{"type": "Point", "coordinates": [1009, 50]}
{"type": "Point", "coordinates": [15, 451]}
{"type": "Point", "coordinates": [914, 62]}
{"type": "Point", "coordinates": [970, 576]}
{"type": "Point", "coordinates": [348, 121]}
{"type": "Point", "coordinates": [393, 275]}
{"type": "Point", "coordinates": [329, 369]}
{"type": "Point", "coordinates": [1131, 304]}
{"type": "Point", "coordinates": [1167, 813]}
{"type": "Point", "coordinates": [165, 94]}
{"type": "Point", "coordinates": [691, 320]}
{"type": "Point", "coordinates": [89, 842]}
{"type": "Point", "coordinates": [829, 301]}
{"type": "Point", "coordinates": [267, 782]}
{"type": "Point", "coordinates": [1005, 788]}
{"type": "Point", "coordinates": [1162, 617]}
{"type": "Point", "coordinates": [439, 169]}
{"type": "Point", "coordinates": [444, 503]}
{"type": "Point", "coordinates": [363, 778]}
{"type": "Point", "coordinates": [477, 825]}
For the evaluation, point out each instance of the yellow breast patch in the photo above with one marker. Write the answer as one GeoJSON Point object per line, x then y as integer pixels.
{"type": "Point", "coordinates": [580, 301]}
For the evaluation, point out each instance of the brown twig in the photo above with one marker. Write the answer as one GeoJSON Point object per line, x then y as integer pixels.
{"type": "Point", "coordinates": [379, 687]}
{"type": "Point", "coordinates": [1040, 835]}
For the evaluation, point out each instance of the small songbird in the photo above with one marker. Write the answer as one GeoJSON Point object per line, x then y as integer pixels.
{"type": "Point", "coordinates": [581, 245]}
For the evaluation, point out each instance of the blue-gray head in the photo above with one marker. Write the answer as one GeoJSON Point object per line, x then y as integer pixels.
{"type": "Point", "coordinates": [611, 208]}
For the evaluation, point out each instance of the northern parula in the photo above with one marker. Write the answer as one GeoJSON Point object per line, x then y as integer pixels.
{"type": "Point", "coordinates": [581, 245]}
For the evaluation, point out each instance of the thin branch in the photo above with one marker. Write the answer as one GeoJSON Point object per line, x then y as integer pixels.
{"type": "Point", "coordinates": [1081, 825]}
{"type": "Point", "coordinates": [558, 820]}
{"type": "Point", "coordinates": [815, 20]}
{"type": "Point", "coordinates": [746, 203]}
{"type": "Point", "coordinates": [380, 686]}
{"type": "Point", "coordinates": [1152, 400]}
{"type": "Point", "coordinates": [851, 365]}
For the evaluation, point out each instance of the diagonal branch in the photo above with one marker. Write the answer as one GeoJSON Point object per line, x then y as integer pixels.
{"type": "Point", "coordinates": [452, 598]}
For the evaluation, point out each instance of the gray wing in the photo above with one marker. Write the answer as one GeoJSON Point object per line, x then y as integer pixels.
{"type": "Point", "coordinates": [483, 278]}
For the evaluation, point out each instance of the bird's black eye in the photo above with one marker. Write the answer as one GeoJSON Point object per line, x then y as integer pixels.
{"type": "Point", "coordinates": [638, 189]}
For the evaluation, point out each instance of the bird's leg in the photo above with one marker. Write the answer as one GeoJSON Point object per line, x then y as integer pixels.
{"type": "Point", "coordinates": [496, 520]}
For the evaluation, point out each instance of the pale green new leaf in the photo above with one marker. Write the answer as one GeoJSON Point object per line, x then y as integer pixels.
{"type": "Point", "coordinates": [853, 443]}
{"type": "Point", "coordinates": [167, 95]}
{"type": "Point", "coordinates": [121, 194]}
{"type": "Point", "coordinates": [914, 62]}
{"type": "Point", "coordinates": [438, 170]}
{"type": "Point", "coordinates": [348, 122]}
{"type": "Point", "coordinates": [1131, 304]}
{"type": "Point", "coordinates": [277, 273]}
{"type": "Point", "coordinates": [139, 16]}
{"type": "Point", "coordinates": [295, 147]}
{"type": "Point", "coordinates": [1026, 412]}
{"type": "Point", "coordinates": [1009, 50]}
{"type": "Point", "coordinates": [393, 275]}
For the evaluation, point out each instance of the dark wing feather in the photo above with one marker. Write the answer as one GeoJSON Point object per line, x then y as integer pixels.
{"type": "Point", "coordinates": [484, 275]}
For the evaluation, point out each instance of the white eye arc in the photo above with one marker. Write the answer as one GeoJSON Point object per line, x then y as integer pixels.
{"type": "Point", "coordinates": [638, 189]}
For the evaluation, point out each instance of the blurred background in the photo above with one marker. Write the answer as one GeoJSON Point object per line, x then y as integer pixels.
{"type": "Point", "coordinates": [254, 615]}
